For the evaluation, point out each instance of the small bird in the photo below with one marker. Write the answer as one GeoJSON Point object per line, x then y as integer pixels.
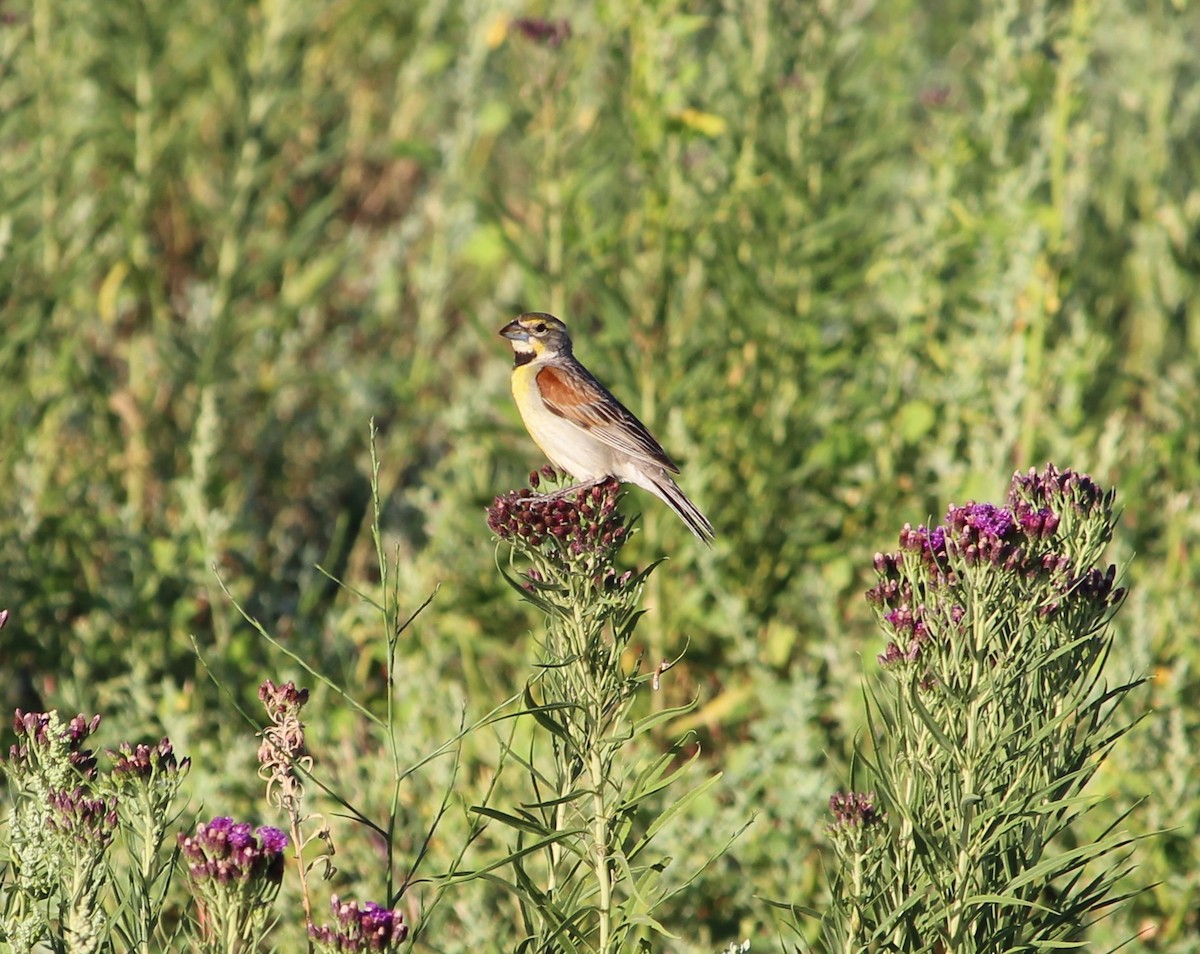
{"type": "Point", "coordinates": [580, 426]}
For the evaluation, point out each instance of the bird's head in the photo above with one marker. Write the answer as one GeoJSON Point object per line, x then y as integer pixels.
{"type": "Point", "coordinates": [537, 334]}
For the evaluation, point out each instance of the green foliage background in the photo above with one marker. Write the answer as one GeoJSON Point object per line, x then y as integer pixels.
{"type": "Point", "coordinates": [850, 261]}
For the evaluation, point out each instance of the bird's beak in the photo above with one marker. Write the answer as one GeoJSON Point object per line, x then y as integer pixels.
{"type": "Point", "coordinates": [514, 332]}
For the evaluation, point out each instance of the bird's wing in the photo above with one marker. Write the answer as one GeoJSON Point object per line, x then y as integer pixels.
{"type": "Point", "coordinates": [577, 396]}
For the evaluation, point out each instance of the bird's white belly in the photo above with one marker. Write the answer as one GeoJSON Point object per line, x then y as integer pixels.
{"type": "Point", "coordinates": [569, 446]}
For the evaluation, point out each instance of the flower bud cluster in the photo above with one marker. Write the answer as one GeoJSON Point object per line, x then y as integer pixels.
{"type": "Point", "coordinates": [611, 580]}
{"type": "Point", "coordinates": [32, 726]}
{"type": "Point", "coordinates": [1052, 486]}
{"type": "Point", "coordinates": [147, 761]}
{"type": "Point", "coordinates": [226, 851]}
{"type": "Point", "coordinates": [1037, 524]}
{"type": "Point", "coordinates": [282, 701]}
{"type": "Point", "coordinates": [366, 927]}
{"type": "Point", "coordinates": [574, 523]}
{"type": "Point", "coordinates": [855, 810]}
{"type": "Point", "coordinates": [982, 533]}
{"type": "Point", "coordinates": [35, 741]}
{"type": "Point", "coordinates": [1091, 588]}
{"type": "Point", "coordinates": [88, 822]}
{"type": "Point", "coordinates": [283, 740]}
{"type": "Point", "coordinates": [917, 591]}
{"type": "Point", "coordinates": [551, 33]}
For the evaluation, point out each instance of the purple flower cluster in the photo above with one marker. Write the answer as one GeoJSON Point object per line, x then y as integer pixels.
{"type": "Point", "coordinates": [575, 523]}
{"type": "Point", "coordinates": [33, 726]}
{"type": "Point", "coordinates": [146, 761]}
{"type": "Point", "coordinates": [225, 851]}
{"type": "Point", "coordinates": [283, 700]}
{"type": "Point", "coordinates": [1038, 523]}
{"type": "Point", "coordinates": [855, 809]}
{"type": "Point", "coordinates": [1050, 485]}
{"type": "Point", "coordinates": [982, 533]}
{"type": "Point", "coordinates": [33, 731]}
{"type": "Point", "coordinates": [1016, 540]}
{"type": "Point", "coordinates": [89, 822]}
{"type": "Point", "coordinates": [1092, 587]}
{"type": "Point", "coordinates": [366, 927]}
{"type": "Point", "coordinates": [551, 33]}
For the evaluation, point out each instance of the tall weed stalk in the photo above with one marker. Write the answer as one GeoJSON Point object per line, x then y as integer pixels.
{"type": "Point", "coordinates": [582, 864]}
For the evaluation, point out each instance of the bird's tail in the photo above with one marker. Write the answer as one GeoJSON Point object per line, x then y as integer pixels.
{"type": "Point", "coordinates": [662, 486]}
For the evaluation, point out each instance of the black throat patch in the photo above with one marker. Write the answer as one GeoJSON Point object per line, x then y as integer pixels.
{"type": "Point", "coordinates": [522, 358]}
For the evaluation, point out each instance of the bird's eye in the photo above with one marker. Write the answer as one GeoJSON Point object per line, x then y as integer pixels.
{"type": "Point", "coordinates": [540, 328]}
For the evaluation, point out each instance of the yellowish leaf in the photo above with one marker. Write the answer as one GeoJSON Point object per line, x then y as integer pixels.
{"type": "Point", "coordinates": [110, 290]}
{"type": "Point", "coordinates": [709, 124]}
{"type": "Point", "coordinates": [497, 32]}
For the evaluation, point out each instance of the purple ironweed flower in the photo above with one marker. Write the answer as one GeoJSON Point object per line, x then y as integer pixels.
{"type": "Point", "coordinates": [534, 578]}
{"type": "Point", "coordinates": [1052, 486]}
{"type": "Point", "coordinates": [985, 517]}
{"type": "Point", "coordinates": [907, 621]}
{"type": "Point", "coordinates": [227, 851]}
{"type": "Point", "coordinates": [366, 927]}
{"type": "Point", "coordinates": [914, 627]}
{"type": "Point", "coordinates": [888, 592]}
{"type": "Point", "coordinates": [1036, 524]}
{"type": "Point", "coordinates": [33, 730]}
{"type": "Point", "coordinates": [1012, 539]}
{"type": "Point", "coordinates": [929, 543]}
{"type": "Point", "coordinates": [79, 728]}
{"type": "Point", "coordinates": [855, 809]}
{"type": "Point", "coordinates": [32, 725]}
{"type": "Point", "coordinates": [612, 580]}
{"type": "Point", "coordinates": [273, 840]}
{"type": "Point", "coordinates": [282, 700]}
{"type": "Point", "coordinates": [892, 590]}
{"type": "Point", "coordinates": [551, 33]}
{"type": "Point", "coordinates": [1087, 591]}
{"type": "Point", "coordinates": [982, 533]}
{"type": "Point", "coordinates": [145, 761]}
{"type": "Point", "coordinates": [77, 731]}
{"type": "Point", "coordinates": [893, 655]}
{"type": "Point", "coordinates": [574, 523]}
{"type": "Point", "coordinates": [1097, 587]}
{"type": "Point", "coordinates": [90, 822]}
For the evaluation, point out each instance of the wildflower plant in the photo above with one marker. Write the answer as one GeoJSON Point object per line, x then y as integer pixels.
{"type": "Point", "coordinates": [64, 888]}
{"type": "Point", "coordinates": [581, 866]}
{"type": "Point", "coordinates": [991, 716]}
{"type": "Point", "coordinates": [60, 832]}
{"type": "Point", "coordinates": [360, 928]}
{"type": "Point", "coordinates": [145, 780]}
{"type": "Point", "coordinates": [235, 873]}
{"type": "Point", "coordinates": [282, 758]}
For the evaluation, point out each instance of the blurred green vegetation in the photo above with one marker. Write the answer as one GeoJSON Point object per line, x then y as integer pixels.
{"type": "Point", "coordinates": [850, 261]}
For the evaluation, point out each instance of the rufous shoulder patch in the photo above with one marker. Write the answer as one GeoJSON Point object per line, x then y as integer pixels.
{"type": "Point", "coordinates": [563, 394]}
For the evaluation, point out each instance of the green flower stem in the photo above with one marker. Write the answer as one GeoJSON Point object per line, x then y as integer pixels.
{"type": "Point", "coordinates": [601, 829]}
{"type": "Point", "coordinates": [593, 893]}
{"type": "Point", "coordinates": [581, 639]}
{"type": "Point", "coordinates": [151, 836]}
{"type": "Point", "coordinates": [854, 922]}
{"type": "Point", "coordinates": [966, 860]}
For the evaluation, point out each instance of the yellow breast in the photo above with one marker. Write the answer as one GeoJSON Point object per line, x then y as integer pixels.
{"type": "Point", "coordinates": [568, 446]}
